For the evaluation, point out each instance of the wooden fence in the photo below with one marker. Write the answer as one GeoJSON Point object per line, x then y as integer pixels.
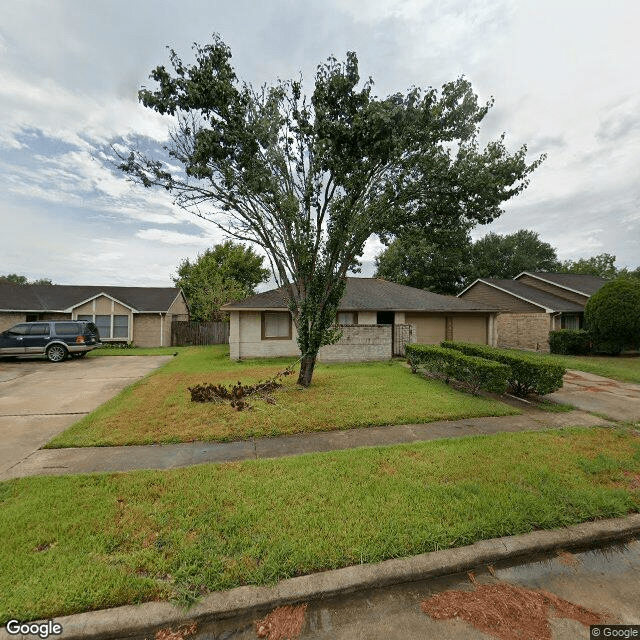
{"type": "Point", "coordinates": [402, 335]}
{"type": "Point", "coordinates": [198, 333]}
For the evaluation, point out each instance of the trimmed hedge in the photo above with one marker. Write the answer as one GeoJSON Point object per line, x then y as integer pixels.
{"type": "Point", "coordinates": [570, 342]}
{"type": "Point", "coordinates": [477, 372]}
{"type": "Point", "coordinates": [529, 373]}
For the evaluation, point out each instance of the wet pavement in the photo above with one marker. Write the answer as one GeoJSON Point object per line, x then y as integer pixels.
{"type": "Point", "coordinates": [604, 581]}
{"type": "Point", "coordinates": [611, 398]}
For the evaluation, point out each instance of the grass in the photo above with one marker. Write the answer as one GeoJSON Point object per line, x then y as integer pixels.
{"type": "Point", "coordinates": [622, 368]}
{"type": "Point", "coordinates": [77, 543]}
{"type": "Point", "coordinates": [158, 409]}
{"type": "Point", "coordinates": [135, 351]}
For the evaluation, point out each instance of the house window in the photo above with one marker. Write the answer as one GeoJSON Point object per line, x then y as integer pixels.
{"type": "Point", "coordinates": [120, 326]}
{"type": "Point", "coordinates": [104, 326]}
{"type": "Point", "coordinates": [570, 321]}
{"type": "Point", "coordinates": [348, 317]}
{"type": "Point", "coordinates": [276, 325]}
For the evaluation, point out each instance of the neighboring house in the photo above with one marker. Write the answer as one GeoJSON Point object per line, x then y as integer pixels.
{"type": "Point", "coordinates": [532, 304]}
{"type": "Point", "coordinates": [141, 315]}
{"type": "Point", "coordinates": [376, 317]}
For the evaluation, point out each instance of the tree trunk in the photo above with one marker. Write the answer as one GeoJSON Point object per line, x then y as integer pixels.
{"type": "Point", "coordinates": [307, 365]}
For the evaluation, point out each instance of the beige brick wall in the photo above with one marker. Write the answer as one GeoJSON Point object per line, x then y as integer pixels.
{"type": "Point", "coordinates": [7, 320]}
{"type": "Point", "coordinates": [359, 343]}
{"type": "Point", "coordinates": [524, 330]}
{"type": "Point", "coordinates": [146, 330]}
{"type": "Point", "coordinates": [367, 317]}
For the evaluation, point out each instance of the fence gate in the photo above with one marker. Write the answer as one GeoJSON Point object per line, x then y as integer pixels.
{"type": "Point", "coordinates": [184, 333]}
{"type": "Point", "coordinates": [402, 334]}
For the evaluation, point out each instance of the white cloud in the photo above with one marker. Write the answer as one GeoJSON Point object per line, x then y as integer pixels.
{"type": "Point", "coordinates": [174, 237]}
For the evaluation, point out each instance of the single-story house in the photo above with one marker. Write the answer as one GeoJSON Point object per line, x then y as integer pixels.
{"type": "Point", "coordinates": [532, 304]}
{"type": "Point", "coordinates": [377, 318]}
{"type": "Point", "coordinates": [141, 315]}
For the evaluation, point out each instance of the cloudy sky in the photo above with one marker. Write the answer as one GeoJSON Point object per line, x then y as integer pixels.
{"type": "Point", "coordinates": [564, 75]}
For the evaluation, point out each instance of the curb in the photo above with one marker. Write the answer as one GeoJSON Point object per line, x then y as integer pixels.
{"type": "Point", "coordinates": [134, 621]}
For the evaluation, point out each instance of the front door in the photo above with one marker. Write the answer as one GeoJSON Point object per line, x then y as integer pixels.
{"type": "Point", "coordinates": [12, 340]}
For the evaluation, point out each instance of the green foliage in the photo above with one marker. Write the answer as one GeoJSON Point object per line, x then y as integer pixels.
{"type": "Point", "coordinates": [576, 342]}
{"type": "Point", "coordinates": [227, 272]}
{"type": "Point", "coordinates": [602, 265]}
{"type": "Point", "coordinates": [18, 279]}
{"type": "Point", "coordinates": [529, 374]}
{"type": "Point", "coordinates": [612, 316]}
{"type": "Point", "coordinates": [310, 179]}
{"type": "Point", "coordinates": [438, 262]}
{"type": "Point", "coordinates": [496, 256]}
{"type": "Point", "coordinates": [477, 372]}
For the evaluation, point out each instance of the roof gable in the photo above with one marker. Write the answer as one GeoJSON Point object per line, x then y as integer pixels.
{"type": "Point", "coordinates": [584, 284]}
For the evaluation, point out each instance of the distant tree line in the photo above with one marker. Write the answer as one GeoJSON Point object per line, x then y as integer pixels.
{"type": "Point", "coordinates": [18, 279]}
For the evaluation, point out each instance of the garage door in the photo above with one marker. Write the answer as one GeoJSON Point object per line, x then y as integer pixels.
{"type": "Point", "coordinates": [470, 329]}
{"type": "Point", "coordinates": [428, 329]}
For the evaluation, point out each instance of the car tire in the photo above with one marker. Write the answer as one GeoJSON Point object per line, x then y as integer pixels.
{"type": "Point", "coordinates": [57, 353]}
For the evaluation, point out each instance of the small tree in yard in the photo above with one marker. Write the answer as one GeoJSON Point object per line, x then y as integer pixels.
{"type": "Point", "coordinates": [227, 272]}
{"type": "Point", "coordinates": [612, 315]}
{"type": "Point", "coordinates": [311, 179]}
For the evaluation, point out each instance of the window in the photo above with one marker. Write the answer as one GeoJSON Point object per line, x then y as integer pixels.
{"type": "Point", "coordinates": [68, 329]}
{"type": "Point", "coordinates": [104, 326]}
{"type": "Point", "coordinates": [347, 317]}
{"type": "Point", "coordinates": [19, 330]}
{"type": "Point", "coordinates": [570, 321]}
{"type": "Point", "coordinates": [39, 329]}
{"type": "Point", "coordinates": [276, 325]}
{"type": "Point", "coordinates": [120, 326]}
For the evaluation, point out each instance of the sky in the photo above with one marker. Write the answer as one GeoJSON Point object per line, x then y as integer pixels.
{"type": "Point", "coordinates": [563, 75]}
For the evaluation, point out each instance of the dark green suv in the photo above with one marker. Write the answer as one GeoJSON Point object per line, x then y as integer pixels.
{"type": "Point", "coordinates": [56, 340]}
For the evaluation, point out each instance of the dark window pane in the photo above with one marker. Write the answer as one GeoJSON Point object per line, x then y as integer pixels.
{"type": "Point", "coordinates": [120, 326]}
{"type": "Point", "coordinates": [40, 329]}
{"type": "Point", "coordinates": [68, 328]}
{"type": "Point", "coordinates": [104, 326]}
{"type": "Point", "coordinates": [19, 330]}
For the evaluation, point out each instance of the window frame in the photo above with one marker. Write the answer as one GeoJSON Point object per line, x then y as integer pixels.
{"type": "Point", "coordinates": [263, 327]}
{"type": "Point", "coordinates": [347, 324]}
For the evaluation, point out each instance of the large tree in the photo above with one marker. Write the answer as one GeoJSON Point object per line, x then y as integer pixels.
{"type": "Point", "coordinates": [310, 179]}
{"type": "Point", "coordinates": [437, 262]}
{"type": "Point", "coordinates": [227, 272]}
{"type": "Point", "coordinates": [602, 265]}
{"type": "Point", "coordinates": [497, 256]}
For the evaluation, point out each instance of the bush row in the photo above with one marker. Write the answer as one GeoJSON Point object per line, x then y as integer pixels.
{"type": "Point", "coordinates": [528, 373]}
{"type": "Point", "coordinates": [570, 342]}
{"type": "Point", "coordinates": [477, 372]}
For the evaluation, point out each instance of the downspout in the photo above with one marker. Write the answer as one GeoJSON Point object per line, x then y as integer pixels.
{"type": "Point", "coordinates": [161, 330]}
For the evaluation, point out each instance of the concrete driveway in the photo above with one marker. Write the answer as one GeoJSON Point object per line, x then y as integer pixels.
{"type": "Point", "coordinates": [39, 399]}
{"type": "Point", "coordinates": [589, 392]}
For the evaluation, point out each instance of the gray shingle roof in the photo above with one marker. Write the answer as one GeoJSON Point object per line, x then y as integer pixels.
{"type": "Point", "coordinates": [582, 283]}
{"type": "Point", "coordinates": [542, 298]}
{"type": "Point", "coordinates": [58, 297]}
{"type": "Point", "coordinates": [371, 294]}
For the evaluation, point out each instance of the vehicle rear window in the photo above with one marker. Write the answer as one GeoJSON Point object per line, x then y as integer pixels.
{"type": "Point", "coordinates": [68, 328]}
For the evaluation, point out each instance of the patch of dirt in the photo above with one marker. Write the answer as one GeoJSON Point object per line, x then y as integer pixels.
{"type": "Point", "coordinates": [180, 634]}
{"type": "Point", "coordinates": [388, 469]}
{"type": "Point", "coordinates": [567, 558]}
{"type": "Point", "coordinates": [284, 623]}
{"type": "Point", "coordinates": [506, 611]}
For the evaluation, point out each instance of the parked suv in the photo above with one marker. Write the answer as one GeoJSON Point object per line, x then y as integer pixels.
{"type": "Point", "coordinates": [56, 340]}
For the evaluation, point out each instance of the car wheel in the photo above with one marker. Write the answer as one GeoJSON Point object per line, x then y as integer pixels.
{"type": "Point", "coordinates": [56, 353]}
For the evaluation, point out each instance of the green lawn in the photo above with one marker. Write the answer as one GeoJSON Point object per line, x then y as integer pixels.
{"type": "Point", "coordinates": [622, 368]}
{"type": "Point", "coordinates": [159, 408]}
{"type": "Point", "coordinates": [77, 543]}
{"type": "Point", "coordinates": [135, 351]}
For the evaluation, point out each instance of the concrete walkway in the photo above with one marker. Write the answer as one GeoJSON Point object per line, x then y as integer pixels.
{"type": "Point", "coordinates": [589, 392]}
{"type": "Point", "coordinates": [108, 459]}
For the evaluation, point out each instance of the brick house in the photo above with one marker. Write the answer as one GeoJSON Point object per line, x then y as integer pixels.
{"type": "Point", "coordinates": [532, 304]}
{"type": "Point", "coordinates": [376, 317]}
{"type": "Point", "coordinates": [141, 315]}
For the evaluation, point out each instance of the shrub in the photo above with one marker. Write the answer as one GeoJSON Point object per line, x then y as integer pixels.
{"type": "Point", "coordinates": [529, 373]}
{"type": "Point", "coordinates": [477, 372]}
{"type": "Point", "coordinates": [570, 342]}
{"type": "Point", "coordinates": [612, 315]}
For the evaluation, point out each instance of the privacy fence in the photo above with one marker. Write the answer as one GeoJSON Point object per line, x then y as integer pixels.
{"type": "Point", "coordinates": [184, 333]}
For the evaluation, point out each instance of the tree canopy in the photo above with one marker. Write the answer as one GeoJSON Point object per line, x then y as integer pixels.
{"type": "Point", "coordinates": [20, 279]}
{"type": "Point", "coordinates": [227, 272]}
{"type": "Point", "coordinates": [602, 265]}
{"type": "Point", "coordinates": [310, 179]}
